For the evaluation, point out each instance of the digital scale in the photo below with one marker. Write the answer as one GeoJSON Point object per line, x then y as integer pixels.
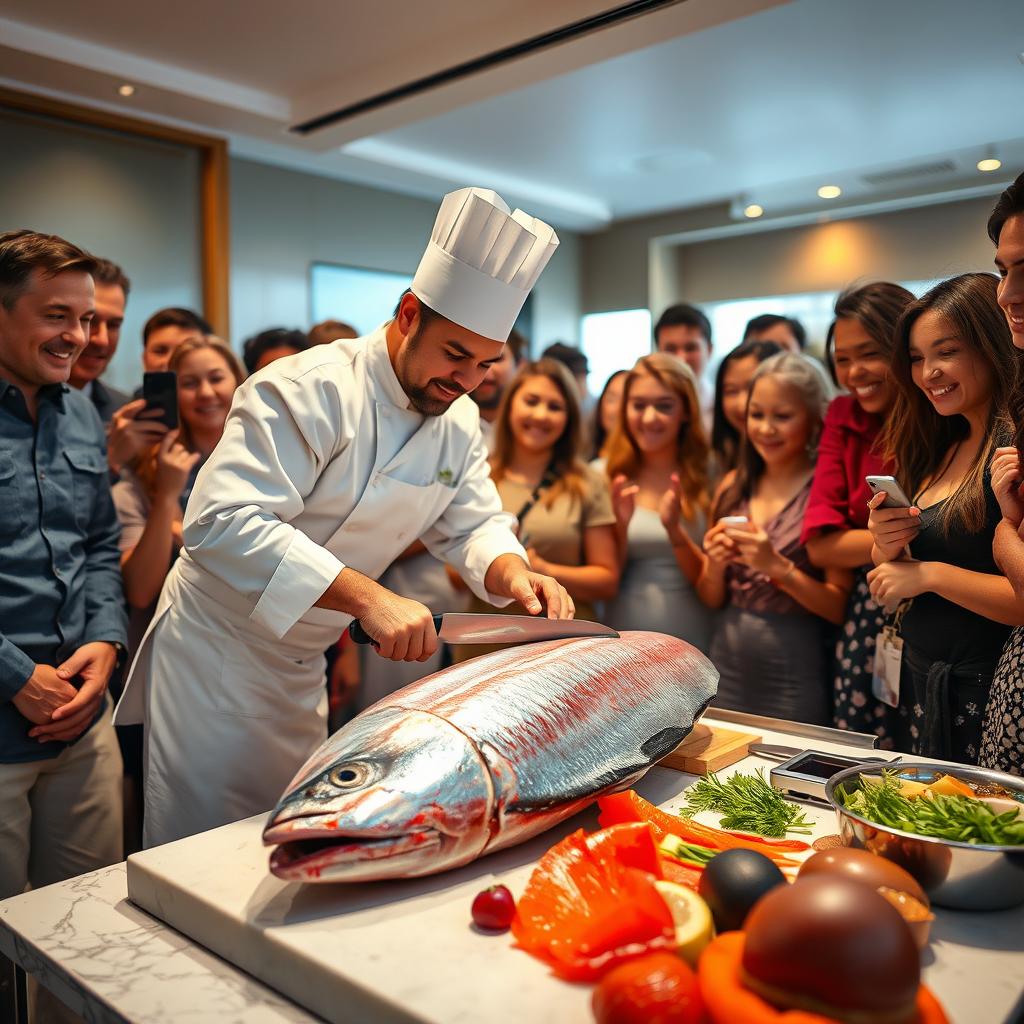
{"type": "Point", "coordinates": [804, 775]}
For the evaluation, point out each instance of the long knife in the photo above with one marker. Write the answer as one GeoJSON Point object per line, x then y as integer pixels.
{"type": "Point", "coordinates": [468, 628]}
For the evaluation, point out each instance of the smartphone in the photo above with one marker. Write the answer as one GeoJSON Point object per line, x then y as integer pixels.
{"type": "Point", "coordinates": [160, 390]}
{"type": "Point", "coordinates": [894, 494]}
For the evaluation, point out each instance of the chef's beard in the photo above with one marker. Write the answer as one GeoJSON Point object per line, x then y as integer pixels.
{"type": "Point", "coordinates": [420, 397]}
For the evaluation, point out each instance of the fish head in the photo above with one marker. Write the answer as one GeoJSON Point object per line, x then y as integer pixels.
{"type": "Point", "coordinates": [395, 793]}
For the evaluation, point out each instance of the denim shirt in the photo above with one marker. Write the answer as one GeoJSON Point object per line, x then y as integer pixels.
{"type": "Point", "coordinates": [60, 575]}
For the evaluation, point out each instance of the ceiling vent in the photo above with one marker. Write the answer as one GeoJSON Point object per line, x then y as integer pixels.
{"type": "Point", "coordinates": [906, 175]}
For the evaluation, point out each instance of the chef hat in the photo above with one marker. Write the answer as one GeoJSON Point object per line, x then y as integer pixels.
{"type": "Point", "coordinates": [482, 261]}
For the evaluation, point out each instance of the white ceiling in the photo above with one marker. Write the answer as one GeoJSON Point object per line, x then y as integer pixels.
{"type": "Point", "coordinates": [702, 102]}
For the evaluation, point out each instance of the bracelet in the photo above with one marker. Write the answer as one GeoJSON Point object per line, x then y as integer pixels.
{"type": "Point", "coordinates": [785, 576]}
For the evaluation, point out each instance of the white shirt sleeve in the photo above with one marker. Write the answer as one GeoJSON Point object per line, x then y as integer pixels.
{"type": "Point", "coordinates": [238, 522]}
{"type": "Point", "coordinates": [474, 529]}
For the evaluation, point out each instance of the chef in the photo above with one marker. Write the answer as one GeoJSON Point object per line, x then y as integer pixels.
{"type": "Point", "coordinates": [331, 463]}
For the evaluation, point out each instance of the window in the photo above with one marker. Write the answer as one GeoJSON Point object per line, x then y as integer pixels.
{"type": "Point", "coordinates": [360, 297]}
{"type": "Point", "coordinates": [613, 341]}
{"type": "Point", "coordinates": [812, 309]}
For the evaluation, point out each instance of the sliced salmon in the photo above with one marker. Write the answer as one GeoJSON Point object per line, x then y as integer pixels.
{"type": "Point", "coordinates": [591, 903]}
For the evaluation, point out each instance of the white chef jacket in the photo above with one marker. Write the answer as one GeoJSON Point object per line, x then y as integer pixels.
{"type": "Point", "coordinates": [312, 444]}
{"type": "Point", "coordinates": [322, 465]}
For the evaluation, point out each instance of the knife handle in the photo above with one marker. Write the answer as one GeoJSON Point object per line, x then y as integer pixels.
{"type": "Point", "coordinates": [360, 636]}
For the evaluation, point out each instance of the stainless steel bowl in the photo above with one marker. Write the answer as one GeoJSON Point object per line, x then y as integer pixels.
{"type": "Point", "coordinates": [963, 876]}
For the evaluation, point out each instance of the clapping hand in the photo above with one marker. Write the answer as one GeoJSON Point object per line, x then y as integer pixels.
{"type": "Point", "coordinates": [670, 510]}
{"type": "Point", "coordinates": [624, 500]}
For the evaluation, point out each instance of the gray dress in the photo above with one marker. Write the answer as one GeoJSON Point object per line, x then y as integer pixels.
{"type": "Point", "coordinates": [771, 651]}
{"type": "Point", "coordinates": [653, 593]}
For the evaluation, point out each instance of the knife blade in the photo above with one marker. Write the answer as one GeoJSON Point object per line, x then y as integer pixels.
{"type": "Point", "coordinates": [471, 628]}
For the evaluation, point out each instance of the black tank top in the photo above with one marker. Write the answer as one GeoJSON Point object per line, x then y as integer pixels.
{"type": "Point", "coordinates": [940, 630]}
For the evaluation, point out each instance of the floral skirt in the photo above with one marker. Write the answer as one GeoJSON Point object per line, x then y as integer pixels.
{"type": "Point", "coordinates": [854, 706]}
{"type": "Point", "coordinates": [1002, 737]}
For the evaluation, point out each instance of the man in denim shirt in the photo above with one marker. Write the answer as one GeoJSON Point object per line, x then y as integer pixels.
{"type": "Point", "coordinates": [62, 619]}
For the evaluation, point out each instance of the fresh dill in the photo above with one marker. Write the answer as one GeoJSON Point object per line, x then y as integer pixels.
{"type": "Point", "coordinates": [747, 804]}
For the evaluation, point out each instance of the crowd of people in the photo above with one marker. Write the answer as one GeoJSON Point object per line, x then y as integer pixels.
{"type": "Point", "coordinates": [734, 513]}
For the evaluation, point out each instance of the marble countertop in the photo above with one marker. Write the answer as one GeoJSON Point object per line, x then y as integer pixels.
{"type": "Point", "coordinates": [113, 962]}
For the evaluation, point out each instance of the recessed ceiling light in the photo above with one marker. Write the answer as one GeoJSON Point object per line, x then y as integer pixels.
{"type": "Point", "coordinates": [126, 90]}
{"type": "Point", "coordinates": [830, 192]}
{"type": "Point", "coordinates": [990, 163]}
{"type": "Point", "coordinates": [753, 210]}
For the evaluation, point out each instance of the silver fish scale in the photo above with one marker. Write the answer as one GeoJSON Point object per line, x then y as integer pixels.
{"type": "Point", "coordinates": [572, 717]}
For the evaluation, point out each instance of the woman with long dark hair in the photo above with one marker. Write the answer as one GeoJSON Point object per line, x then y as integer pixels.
{"type": "Point", "coordinates": [769, 643]}
{"type": "Point", "coordinates": [858, 349]}
{"type": "Point", "coordinates": [657, 461]}
{"type": "Point", "coordinates": [606, 412]}
{"type": "Point", "coordinates": [732, 388]}
{"type": "Point", "coordinates": [953, 366]}
{"type": "Point", "coordinates": [1002, 744]}
{"type": "Point", "coordinates": [564, 509]}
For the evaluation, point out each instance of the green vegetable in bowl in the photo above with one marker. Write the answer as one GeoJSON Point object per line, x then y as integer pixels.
{"type": "Point", "coordinates": [747, 804]}
{"type": "Point", "coordinates": [959, 818]}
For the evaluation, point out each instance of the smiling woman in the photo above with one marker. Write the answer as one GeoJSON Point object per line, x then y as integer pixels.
{"type": "Point", "coordinates": [953, 368]}
{"type": "Point", "coordinates": [563, 506]}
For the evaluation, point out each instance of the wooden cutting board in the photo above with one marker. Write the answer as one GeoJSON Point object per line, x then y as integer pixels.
{"type": "Point", "coordinates": [709, 748]}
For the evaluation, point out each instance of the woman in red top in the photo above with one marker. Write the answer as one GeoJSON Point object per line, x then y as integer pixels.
{"type": "Point", "coordinates": [859, 349]}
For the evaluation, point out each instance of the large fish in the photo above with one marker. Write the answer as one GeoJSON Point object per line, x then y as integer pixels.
{"type": "Point", "coordinates": [486, 754]}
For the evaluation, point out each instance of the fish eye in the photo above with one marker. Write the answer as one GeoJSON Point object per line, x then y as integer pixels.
{"type": "Point", "coordinates": [348, 776]}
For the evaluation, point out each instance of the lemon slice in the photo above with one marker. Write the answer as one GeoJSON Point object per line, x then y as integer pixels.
{"type": "Point", "coordinates": [692, 918]}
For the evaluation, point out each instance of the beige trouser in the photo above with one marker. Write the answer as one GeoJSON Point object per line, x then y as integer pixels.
{"type": "Point", "coordinates": [61, 816]}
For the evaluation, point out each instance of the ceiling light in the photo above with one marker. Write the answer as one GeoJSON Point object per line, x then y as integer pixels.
{"type": "Point", "coordinates": [830, 192]}
{"type": "Point", "coordinates": [752, 211]}
{"type": "Point", "coordinates": [126, 90]}
{"type": "Point", "coordinates": [990, 163]}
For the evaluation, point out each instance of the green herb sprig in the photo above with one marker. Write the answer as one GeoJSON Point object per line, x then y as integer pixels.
{"type": "Point", "coordinates": [960, 818]}
{"type": "Point", "coordinates": [747, 804]}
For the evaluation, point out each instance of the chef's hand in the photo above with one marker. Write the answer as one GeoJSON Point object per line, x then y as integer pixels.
{"type": "Point", "coordinates": [132, 430]}
{"type": "Point", "coordinates": [892, 529]}
{"type": "Point", "coordinates": [509, 576]}
{"type": "Point", "coordinates": [92, 664]}
{"type": "Point", "coordinates": [402, 629]}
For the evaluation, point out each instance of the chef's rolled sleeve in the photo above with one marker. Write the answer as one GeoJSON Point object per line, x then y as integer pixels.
{"type": "Point", "coordinates": [474, 529]}
{"type": "Point", "coordinates": [237, 524]}
{"type": "Point", "coordinates": [302, 577]}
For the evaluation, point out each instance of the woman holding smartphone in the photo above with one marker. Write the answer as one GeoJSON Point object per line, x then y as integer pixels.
{"type": "Point", "coordinates": [154, 489]}
{"type": "Point", "coordinates": [769, 644]}
{"type": "Point", "coordinates": [859, 350]}
{"type": "Point", "coordinates": [657, 460]}
{"type": "Point", "coordinates": [565, 516]}
{"type": "Point", "coordinates": [953, 367]}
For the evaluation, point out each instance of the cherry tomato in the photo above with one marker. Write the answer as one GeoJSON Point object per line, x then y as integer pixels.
{"type": "Point", "coordinates": [658, 988]}
{"type": "Point", "coordinates": [494, 909]}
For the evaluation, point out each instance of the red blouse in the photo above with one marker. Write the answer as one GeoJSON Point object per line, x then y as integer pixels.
{"type": "Point", "coordinates": [846, 454]}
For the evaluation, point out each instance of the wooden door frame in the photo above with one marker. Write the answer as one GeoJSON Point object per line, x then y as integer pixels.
{"type": "Point", "coordinates": [214, 236]}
